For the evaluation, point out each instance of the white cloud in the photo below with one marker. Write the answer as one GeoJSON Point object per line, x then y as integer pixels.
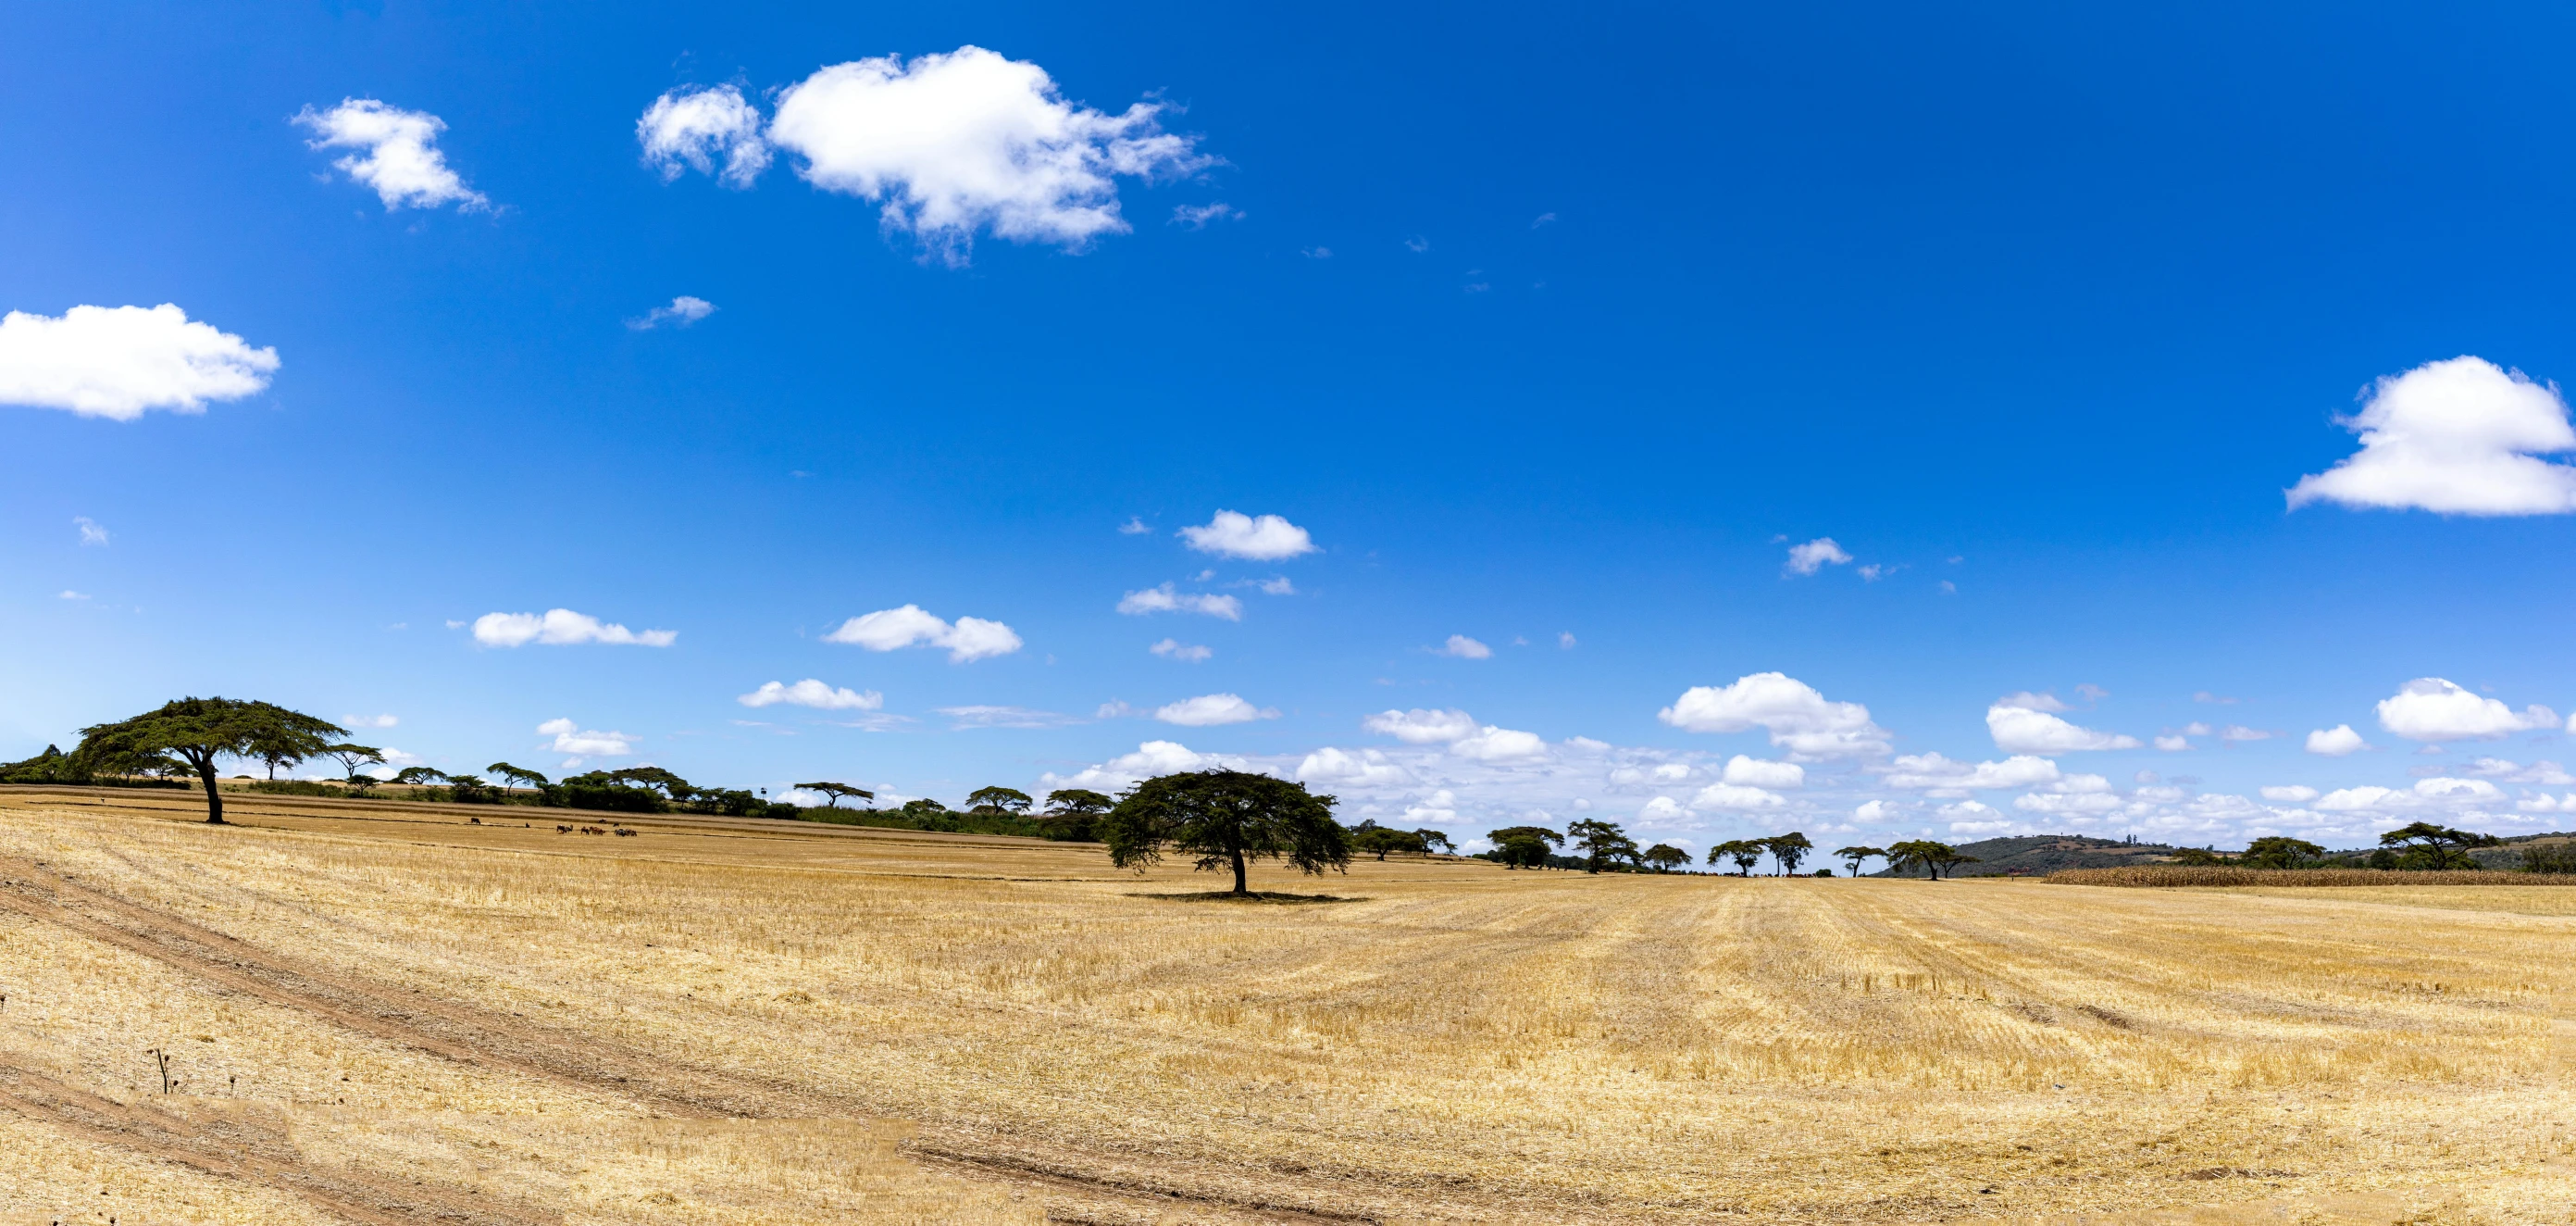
{"type": "Point", "coordinates": [118, 362]}
{"type": "Point", "coordinates": [1932, 771]}
{"type": "Point", "coordinates": [1662, 811]}
{"type": "Point", "coordinates": [2019, 729]}
{"type": "Point", "coordinates": [560, 627]}
{"type": "Point", "coordinates": [581, 742]}
{"type": "Point", "coordinates": [1733, 796]}
{"type": "Point", "coordinates": [683, 311]}
{"type": "Point", "coordinates": [1197, 216]}
{"type": "Point", "coordinates": [1134, 526]}
{"type": "Point", "coordinates": [2066, 804]}
{"type": "Point", "coordinates": [2336, 742]}
{"type": "Point", "coordinates": [1151, 759]}
{"type": "Point", "coordinates": [68, 594]}
{"type": "Point", "coordinates": [972, 638]}
{"type": "Point", "coordinates": [1492, 744]}
{"type": "Point", "coordinates": [2034, 702]}
{"type": "Point", "coordinates": [969, 141]}
{"type": "Point", "coordinates": [1165, 600]}
{"type": "Point", "coordinates": [91, 533]}
{"type": "Point", "coordinates": [2294, 794]}
{"type": "Point", "coordinates": [1360, 768]}
{"type": "Point", "coordinates": [1420, 727]}
{"type": "Point", "coordinates": [812, 693]}
{"type": "Point", "coordinates": [688, 129]}
{"type": "Point", "coordinates": [2459, 437]}
{"type": "Point", "coordinates": [2427, 793]}
{"type": "Point", "coordinates": [1276, 585]}
{"type": "Point", "coordinates": [1266, 538]}
{"type": "Point", "coordinates": [1798, 718]}
{"type": "Point", "coordinates": [2543, 772]}
{"type": "Point", "coordinates": [1461, 647]}
{"type": "Point", "coordinates": [1565, 640]}
{"type": "Point", "coordinates": [1815, 555]}
{"type": "Point", "coordinates": [1755, 772]}
{"type": "Point", "coordinates": [1209, 710]}
{"type": "Point", "coordinates": [400, 160]}
{"type": "Point", "coordinates": [1874, 811]}
{"type": "Point", "coordinates": [1174, 649]}
{"type": "Point", "coordinates": [2172, 744]}
{"type": "Point", "coordinates": [2238, 734]}
{"type": "Point", "coordinates": [2432, 709]}
{"type": "Point", "coordinates": [369, 721]}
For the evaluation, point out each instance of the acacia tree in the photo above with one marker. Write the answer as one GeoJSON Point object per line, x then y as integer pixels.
{"type": "Point", "coordinates": [1604, 844]}
{"type": "Point", "coordinates": [516, 776]}
{"type": "Point", "coordinates": [1788, 849]}
{"type": "Point", "coordinates": [1745, 853]}
{"type": "Point", "coordinates": [1664, 857]}
{"type": "Point", "coordinates": [1852, 856]}
{"type": "Point", "coordinates": [1433, 838]}
{"type": "Point", "coordinates": [1073, 815]}
{"type": "Point", "coordinates": [1931, 856]}
{"type": "Point", "coordinates": [2425, 845]}
{"type": "Point", "coordinates": [419, 776]}
{"type": "Point", "coordinates": [1227, 818]}
{"type": "Point", "coordinates": [1383, 839]}
{"type": "Point", "coordinates": [833, 792]}
{"type": "Point", "coordinates": [352, 758]}
{"type": "Point", "coordinates": [1518, 849]}
{"type": "Point", "coordinates": [197, 731]}
{"type": "Point", "coordinates": [998, 802]}
{"type": "Point", "coordinates": [2280, 851]}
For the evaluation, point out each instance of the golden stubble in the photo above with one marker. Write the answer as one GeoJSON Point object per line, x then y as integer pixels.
{"type": "Point", "coordinates": [983, 1029]}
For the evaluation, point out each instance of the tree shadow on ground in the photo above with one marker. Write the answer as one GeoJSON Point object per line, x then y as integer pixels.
{"type": "Point", "coordinates": [1257, 896]}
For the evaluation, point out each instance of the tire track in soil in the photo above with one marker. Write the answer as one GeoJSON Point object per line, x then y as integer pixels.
{"type": "Point", "coordinates": [467, 1035]}
{"type": "Point", "coordinates": [241, 1147]}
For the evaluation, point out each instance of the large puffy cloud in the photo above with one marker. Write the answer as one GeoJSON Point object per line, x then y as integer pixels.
{"type": "Point", "coordinates": [1209, 710]}
{"type": "Point", "coordinates": [562, 627]}
{"type": "Point", "coordinates": [1264, 538]}
{"type": "Point", "coordinates": [1151, 759]}
{"type": "Point", "coordinates": [1732, 796]}
{"type": "Point", "coordinates": [2460, 437]}
{"type": "Point", "coordinates": [2026, 729]}
{"type": "Point", "coordinates": [2336, 742]}
{"type": "Point", "coordinates": [1757, 773]}
{"type": "Point", "coordinates": [581, 742]}
{"type": "Point", "coordinates": [117, 362]}
{"type": "Point", "coordinates": [1420, 727]}
{"type": "Point", "coordinates": [1165, 599]}
{"type": "Point", "coordinates": [2432, 709]}
{"type": "Point", "coordinates": [1363, 768]}
{"type": "Point", "coordinates": [1934, 772]}
{"type": "Point", "coordinates": [812, 693]}
{"type": "Point", "coordinates": [972, 638]}
{"type": "Point", "coordinates": [2440, 792]}
{"type": "Point", "coordinates": [399, 157]}
{"type": "Point", "coordinates": [690, 129]}
{"type": "Point", "coordinates": [968, 142]}
{"type": "Point", "coordinates": [1799, 719]}
{"type": "Point", "coordinates": [1492, 744]}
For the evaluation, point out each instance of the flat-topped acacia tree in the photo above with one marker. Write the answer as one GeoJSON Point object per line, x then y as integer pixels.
{"type": "Point", "coordinates": [1227, 819]}
{"type": "Point", "coordinates": [197, 731]}
{"type": "Point", "coordinates": [834, 792]}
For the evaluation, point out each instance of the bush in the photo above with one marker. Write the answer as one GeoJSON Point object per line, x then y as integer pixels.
{"type": "Point", "coordinates": [298, 787]}
{"type": "Point", "coordinates": [2550, 858]}
{"type": "Point", "coordinates": [1824, 872]}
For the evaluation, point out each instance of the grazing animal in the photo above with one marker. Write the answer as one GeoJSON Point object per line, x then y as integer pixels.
{"type": "Point", "coordinates": [624, 833]}
{"type": "Point", "coordinates": [563, 830]}
{"type": "Point", "coordinates": [473, 821]}
{"type": "Point", "coordinates": [592, 830]}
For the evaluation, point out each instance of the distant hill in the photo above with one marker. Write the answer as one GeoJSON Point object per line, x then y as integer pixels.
{"type": "Point", "coordinates": [2041, 854]}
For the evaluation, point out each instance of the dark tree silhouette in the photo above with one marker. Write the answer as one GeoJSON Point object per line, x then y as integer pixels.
{"type": "Point", "coordinates": [1931, 856]}
{"type": "Point", "coordinates": [1074, 814]}
{"type": "Point", "coordinates": [1433, 838]}
{"type": "Point", "coordinates": [1852, 856]}
{"type": "Point", "coordinates": [1745, 852]}
{"type": "Point", "coordinates": [1788, 849]}
{"type": "Point", "coordinates": [197, 731]}
{"type": "Point", "coordinates": [2425, 845]}
{"type": "Point", "coordinates": [998, 802]}
{"type": "Point", "coordinates": [1520, 850]}
{"type": "Point", "coordinates": [2280, 851]}
{"type": "Point", "coordinates": [516, 776]}
{"type": "Point", "coordinates": [1227, 818]}
{"type": "Point", "coordinates": [833, 792]}
{"type": "Point", "coordinates": [1604, 844]}
{"type": "Point", "coordinates": [352, 758]}
{"type": "Point", "coordinates": [1664, 857]}
{"type": "Point", "coordinates": [1379, 840]}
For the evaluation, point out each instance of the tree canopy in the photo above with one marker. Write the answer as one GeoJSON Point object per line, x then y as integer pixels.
{"type": "Point", "coordinates": [1853, 856]}
{"type": "Point", "coordinates": [1930, 856]}
{"type": "Point", "coordinates": [1604, 844]}
{"type": "Point", "coordinates": [2425, 845]}
{"type": "Point", "coordinates": [1073, 815]}
{"type": "Point", "coordinates": [2280, 851]}
{"type": "Point", "coordinates": [1745, 853]}
{"type": "Point", "coordinates": [516, 776]}
{"type": "Point", "coordinates": [197, 731]}
{"type": "Point", "coordinates": [1664, 858]}
{"type": "Point", "coordinates": [1788, 849]}
{"type": "Point", "coordinates": [1226, 818]}
{"type": "Point", "coordinates": [998, 801]}
{"type": "Point", "coordinates": [833, 793]}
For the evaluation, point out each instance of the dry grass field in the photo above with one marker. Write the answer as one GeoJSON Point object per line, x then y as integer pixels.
{"type": "Point", "coordinates": [381, 1014]}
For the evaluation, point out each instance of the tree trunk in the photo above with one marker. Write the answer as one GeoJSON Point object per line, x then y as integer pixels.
{"type": "Point", "coordinates": [214, 795]}
{"type": "Point", "coordinates": [1238, 874]}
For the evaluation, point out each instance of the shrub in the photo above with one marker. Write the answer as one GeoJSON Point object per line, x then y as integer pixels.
{"type": "Point", "coordinates": [2550, 858]}
{"type": "Point", "coordinates": [2153, 876]}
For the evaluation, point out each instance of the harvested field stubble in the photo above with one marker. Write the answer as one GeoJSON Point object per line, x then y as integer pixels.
{"type": "Point", "coordinates": [712, 1025]}
{"type": "Point", "coordinates": [2167, 876]}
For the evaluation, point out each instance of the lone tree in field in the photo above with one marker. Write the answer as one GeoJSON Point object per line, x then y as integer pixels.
{"type": "Point", "coordinates": [419, 776]}
{"type": "Point", "coordinates": [1604, 844]}
{"type": "Point", "coordinates": [1664, 858]}
{"type": "Point", "coordinates": [353, 759]}
{"type": "Point", "coordinates": [1074, 814]}
{"type": "Point", "coordinates": [516, 776]}
{"type": "Point", "coordinates": [1227, 818]}
{"type": "Point", "coordinates": [1931, 856]}
{"type": "Point", "coordinates": [998, 802]}
{"type": "Point", "coordinates": [1433, 838]}
{"type": "Point", "coordinates": [1518, 847]}
{"type": "Point", "coordinates": [1788, 849]}
{"type": "Point", "coordinates": [2280, 851]}
{"type": "Point", "coordinates": [2428, 846]}
{"type": "Point", "coordinates": [1852, 856]}
{"type": "Point", "coordinates": [1379, 840]}
{"type": "Point", "coordinates": [199, 730]}
{"type": "Point", "coordinates": [833, 792]}
{"type": "Point", "coordinates": [1745, 853]}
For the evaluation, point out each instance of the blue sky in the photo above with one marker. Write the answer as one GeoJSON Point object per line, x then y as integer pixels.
{"type": "Point", "coordinates": [1530, 324]}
